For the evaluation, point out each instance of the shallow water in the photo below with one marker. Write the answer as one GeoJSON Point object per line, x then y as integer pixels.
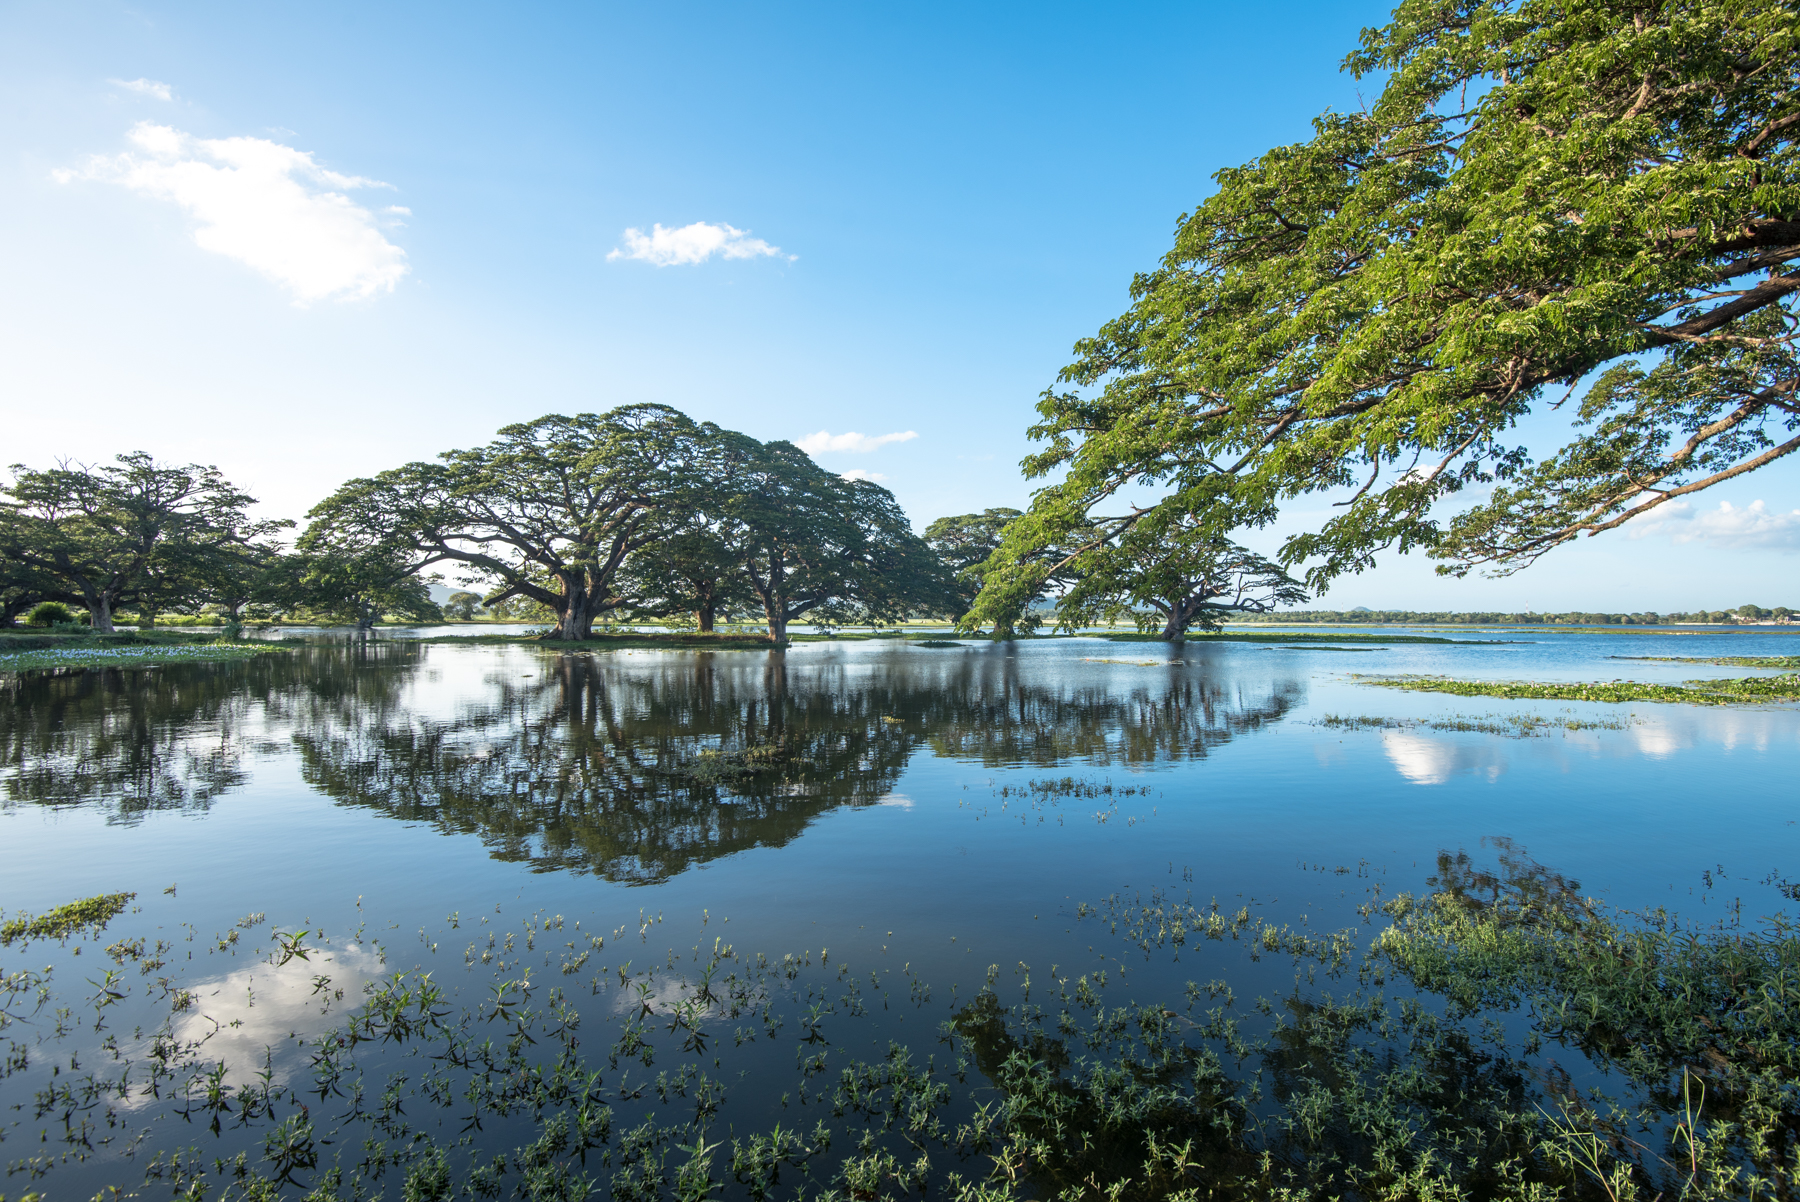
{"type": "Point", "coordinates": [406, 788]}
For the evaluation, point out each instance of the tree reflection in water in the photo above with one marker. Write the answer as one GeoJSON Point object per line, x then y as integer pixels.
{"type": "Point", "coordinates": [589, 765]}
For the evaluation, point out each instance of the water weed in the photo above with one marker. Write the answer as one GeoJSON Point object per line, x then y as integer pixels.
{"type": "Point", "coordinates": [1499, 1036]}
{"type": "Point", "coordinates": [1745, 691]}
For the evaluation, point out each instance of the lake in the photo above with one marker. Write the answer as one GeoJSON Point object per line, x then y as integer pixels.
{"type": "Point", "coordinates": [926, 820]}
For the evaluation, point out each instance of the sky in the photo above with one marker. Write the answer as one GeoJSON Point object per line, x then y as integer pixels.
{"type": "Point", "coordinates": [310, 242]}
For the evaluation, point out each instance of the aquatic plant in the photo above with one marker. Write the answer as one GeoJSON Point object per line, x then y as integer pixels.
{"type": "Point", "coordinates": [65, 920]}
{"type": "Point", "coordinates": [1746, 690]}
{"type": "Point", "coordinates": [1501, 1036]}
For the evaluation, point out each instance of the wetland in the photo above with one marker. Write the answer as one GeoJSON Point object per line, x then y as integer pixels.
{"type": "Point", "coordinates": [1049, 918]}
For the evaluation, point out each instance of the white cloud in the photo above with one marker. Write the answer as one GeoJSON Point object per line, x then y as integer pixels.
{"type": "Point", "coordinates": [858, 473]}
{"type": "Point", "coordinates": [824, 440]}
{"type": "Point", "coordinates": [1753, 525]}
{"type": "Point", "coordinates": [148, 87]}
{"type": "Point", "coordinates": [694, 243]}
{"type": "Point", "coordinates": [264, 204]}
{"type": "Point", "coordinates": [402, 210]}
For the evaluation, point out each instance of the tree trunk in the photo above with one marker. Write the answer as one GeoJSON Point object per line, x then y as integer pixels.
{"type": "Point", "coordinates": [100, 614]}
{"type": "Point", "coordinates": [146, 618]}
{"type": "Point", "coordinates": [703, 618]}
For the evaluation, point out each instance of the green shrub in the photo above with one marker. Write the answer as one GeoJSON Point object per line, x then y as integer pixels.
{"type": "Point", "coordinates": [49, 613]}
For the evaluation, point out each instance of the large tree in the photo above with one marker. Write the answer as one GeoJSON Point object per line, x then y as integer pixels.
{"type": "Point", "coordinates": [1548, 197]}
{"type": "Point", "coordinates": [1171, 580]}
{"type": "Point", "coordinates": [547, 512]}
{"type": "Point", "coordinates": [812, 543]}
{"type": "Point", "coordinates": [105, 532]}
{"type": "Point", "coordinates": [695, 570]}
{"type": "Point", "coordinates": [964, 542]}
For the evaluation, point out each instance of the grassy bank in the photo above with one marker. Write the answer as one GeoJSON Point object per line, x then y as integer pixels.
{"type": "Point", "coordinates": [1744, 691]}
{"type": "Point", "coordinates": [34, 651]}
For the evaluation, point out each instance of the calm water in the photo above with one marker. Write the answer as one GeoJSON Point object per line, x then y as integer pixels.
{"type": "Point", "coordinates": [404, 789]}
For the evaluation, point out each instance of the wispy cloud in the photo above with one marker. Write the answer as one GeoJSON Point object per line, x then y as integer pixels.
{"type": "Point", "coordinates": [264, 204]}
{"type": "Point", "coordinates": [861, 473]}
{"type": "Point", "coordinates": [1752, 525]}
{"type": "Point", "coordinates": [825, 440]}
{"type": "Point", "coordinates": [694, 243]}
{"type": "Point", "coordinates": [146, 87]}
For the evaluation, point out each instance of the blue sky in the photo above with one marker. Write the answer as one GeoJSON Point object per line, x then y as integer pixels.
{"type": "Point", "coordinates": [311, 242]}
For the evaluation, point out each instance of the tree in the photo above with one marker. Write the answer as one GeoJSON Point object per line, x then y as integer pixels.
{"type": "Point", "coordinates": [695, 570]}
{"type": "Point", "coordinates": [550, 509]}
{"type": "Point", "coordinates": [1543, 191]}
{"type": "Point", "coordinates": [813, 543]}
{"type": "Point", "coordinates": [1176, 579]}
{"type": "Point", "coordinates": [361, 587]}
{"type": "Point", "coordinates": [964, 542]}
{"type": "Point", "coordinates": [104, 532]}
{"type": "Point", "coordinates": [23, 587]}
{"type": "Point", "coordinates": [462, 605]}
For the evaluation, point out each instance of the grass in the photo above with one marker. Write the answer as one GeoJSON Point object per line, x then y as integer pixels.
{"type": "Point", "coordinates": [127, 649]}
{"type": "Point", "coordinates": [1301, 637]}
{"type": "Point", "coordinates": [1512, 726]}
{"type": "Point", "coordinates": [1733, 661]}
{"type": "Point", "coordinates": [1443, 1051]}
{"type": "Point", "coordinates": [65, 920]}
{"type": "Point", "coordinates": [1744, 691]}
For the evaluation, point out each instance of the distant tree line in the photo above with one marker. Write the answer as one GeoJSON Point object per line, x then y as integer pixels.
{"type": "Point", "coordinates": [637, 514]}
{"type": "Point", "coordinates": [1742, 614]}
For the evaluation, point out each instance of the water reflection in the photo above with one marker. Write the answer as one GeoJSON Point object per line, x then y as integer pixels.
{"type": "Point", "coordinates": [598, 763]}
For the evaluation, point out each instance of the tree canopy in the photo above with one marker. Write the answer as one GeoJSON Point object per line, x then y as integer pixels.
{"type": "Point", "coordinates": [641, 511]}
{"type": "Point", "coordinates": [124, 531]}
{"type": "Point", "coordinates": [550, 509]}
{"type": "Point", "coordinates": [1546, 199]}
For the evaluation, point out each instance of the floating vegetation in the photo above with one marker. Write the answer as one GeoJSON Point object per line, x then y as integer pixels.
{"type": "Point", "coordinates": [1300, 636]}
{"type": "Point", "coordinates": [1501, 1036]}
{"type": "Point", "coordinates": [935, 643]}
{"type": "Point", "coordinates": [1139, 663]}
{"type": "Point", "coordinates": [734, 765]}
{"type": "Point", "coordinates": [1746, 690]}
{"type": "Point", "coordinates": [1071, 786]}
{"type": "Point", "coordinates": [1733, 661]}
{"type": "Point", "coordinates": [65, 920]}
{"type": "Point", "coordinates": [1513, 726]}
{"type": "Point", "coordinates": [1324, 647]}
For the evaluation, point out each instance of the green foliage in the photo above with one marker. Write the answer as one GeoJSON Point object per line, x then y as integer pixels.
{"type": "Point", "coordinates": [1176, 579]}
{"type": "Point", "coordinates": [65, 920]}
{"type": "Point", "coordinates": [1541, 191]}
{"type": "Point", "coordinates": [812, 544]}
{"type": "Point", "coordinates": [965, 542]}
{"type": "Point", "coordinates": [134, 530]}
{"type": "Point", "coordinates": [462, 605]}
{"type": "Point", "coordinates": [1501, 1037]}
{"type": "Point", "coordinates": [549, 510]}
{"type": "Point", "coordinates": [50, 613]}
{"type": "Point", "coordinates": [1748, 690]}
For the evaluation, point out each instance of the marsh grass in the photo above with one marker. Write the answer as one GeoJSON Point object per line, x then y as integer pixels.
{"type": "Point", "coordinates": [1734, 661]}
{"type": "Point", "coordinates": [1747, 690]}
{"type": "Point", "coordinates": [1512, 726]}
{"type": "Point", "coordinates": [1501, 1036]}
{"type": "Point", "coordinates": [1307, 638]}
{"type": "Point", "coordinates": [65, 920]}
{"type": "Point", "coordinates": [126, 649]}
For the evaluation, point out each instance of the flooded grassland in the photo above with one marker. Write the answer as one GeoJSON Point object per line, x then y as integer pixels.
{"type": "Point", "coordinates": [1060, 917]}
